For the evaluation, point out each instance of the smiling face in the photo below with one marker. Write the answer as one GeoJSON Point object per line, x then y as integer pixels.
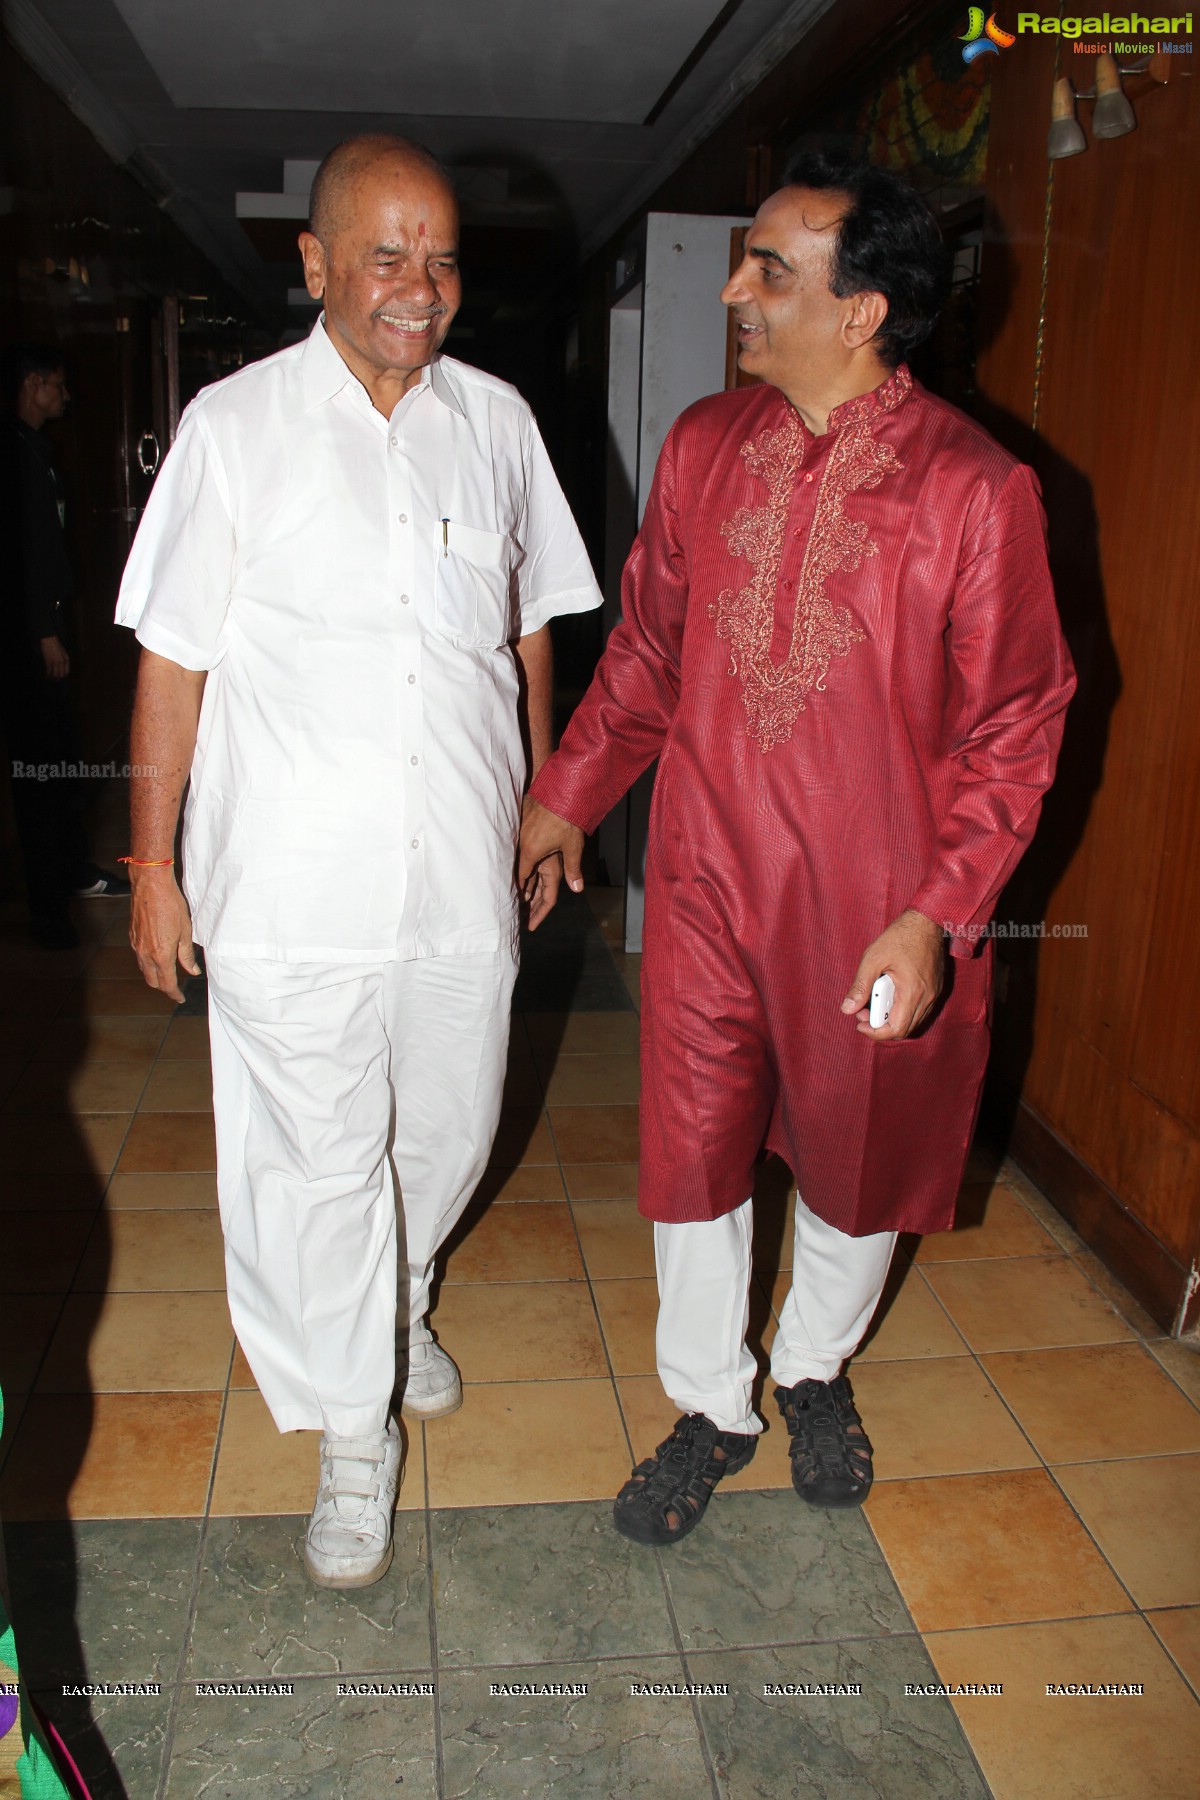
{"type": "Point", "coordinates": [388, 273]}
{"type": "Point", "coordinates": [792, 330]}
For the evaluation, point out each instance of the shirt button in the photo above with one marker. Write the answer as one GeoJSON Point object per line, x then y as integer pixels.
{"type": "Point", "coordinates": [395, 441]}
{"type": "Point", "coordinates": [404, 518]}
{"type": "Point", "coordinates": [411, 680]}
{"type": "Point", "coordinates": [414, 760]}
{"type": "Point", "coordinates": [416, 843]}
{"type": "Point", "coordinates": [808, 478]}
{"type": "Point", "coordinates": [404, 599]}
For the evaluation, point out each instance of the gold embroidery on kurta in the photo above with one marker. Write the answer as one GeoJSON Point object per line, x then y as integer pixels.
{"type": "Point", "coordinates": [774, 692]}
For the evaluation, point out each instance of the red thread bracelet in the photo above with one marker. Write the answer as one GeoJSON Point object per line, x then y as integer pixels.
{"type": "Point", "coordinates": [164, 862]}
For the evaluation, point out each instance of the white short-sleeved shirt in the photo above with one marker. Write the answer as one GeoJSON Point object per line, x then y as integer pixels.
{"type": "Point", "coordinates": [353, 584]}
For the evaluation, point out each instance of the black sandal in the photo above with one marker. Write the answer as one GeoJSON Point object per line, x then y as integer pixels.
{"type": "Point", "coordinates": [830, 1451]}
{"type": "Point", "coordinates": [666, 1495]}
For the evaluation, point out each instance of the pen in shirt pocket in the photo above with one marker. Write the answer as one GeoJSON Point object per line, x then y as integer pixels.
{"type": "Point", "coordinates": [445, 537]}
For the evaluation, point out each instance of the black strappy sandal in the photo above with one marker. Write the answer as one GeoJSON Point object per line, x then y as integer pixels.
{"type": "Point", "coordinates": [666, 1495]}
{"type": "Point", "coordinates": [830, 1451]}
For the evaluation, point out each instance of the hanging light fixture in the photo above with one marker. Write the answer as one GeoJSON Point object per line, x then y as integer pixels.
{"type": "Point", "coordinates": [1113, 116]}
{"type": "Point", "coordinates": [1066, 133]}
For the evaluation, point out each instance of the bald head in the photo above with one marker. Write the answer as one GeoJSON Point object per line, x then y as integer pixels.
{"type": "Point", "coordinates": [346, 166]}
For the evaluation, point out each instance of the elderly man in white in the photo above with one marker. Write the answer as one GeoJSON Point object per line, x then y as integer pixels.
{"type": "Point", "coordinates": [342, 583]}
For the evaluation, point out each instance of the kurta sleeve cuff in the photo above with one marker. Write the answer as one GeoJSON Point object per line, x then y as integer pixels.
{"type": "Point", "coordinates": [155, 637]}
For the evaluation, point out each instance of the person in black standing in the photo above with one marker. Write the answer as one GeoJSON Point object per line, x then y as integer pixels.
{"type": "Point", "coordinates": [36, 710]}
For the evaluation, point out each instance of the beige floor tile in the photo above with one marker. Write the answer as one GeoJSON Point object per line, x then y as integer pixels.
{"type": "Point", "coordinates": [1037, 1746]}
{"type": "Point", "coordinates": [240, 1376]}
{"type": "Point", "coordinates": [515, 1243]}
{"type": "Point", "coordinates": [154, 1251]}
{"type": "Point", "coordinates": [989, 1221]}
{"type": "Point", "coordinates": [27, 1322]}
{"type": "Point", "coordinates": [1067, 1400]}
{"type": "Point", "coordinates": [49, 1193]}
{"type": "Point", "coordinates": [77, 1146]}
{"type": "Point", "coordinates": [909, 1322]}
{"type": "Point", "coordinates": [522, 1084]}
{"type": "Point", "coordinates": [1179, 1629]}
{"type": "Point", "coordinates": [114, 962]}
{"type": "Point", "coordinates": [607, 907]}
{"type": "Point", "coordinates": [601, 1181]}
{"type": "Point", "coordinates": [592, 1134]}
{"type": "Point", "coordinates": [594, 1081]}
{"type": "Point", "coordinates": [158, 1192]}
{"type": "Point", "coordinates": [186, 1037]}
{"type": "Point", "coordinates": [649, 1416]}
{"type": "Point", "coordinates": [261, 1470]}
{"type": "Point", "coordinates": [182, 1141]}
{"type": "Point", "coordinates": [117, 1456]}
{"type": "Point", "coordinates": [527, 1182]}
{"type": "Point", "coordinates": [124, 1343]}
{"type": "Point", "coordinates": [989, 1550]}
{"type": "Point", "coordinates": [23, 1036]}
{"type": "Point", "coordinates": [1046, 1214]}
{"type": "Point", "coordinates": [1024, 1303]}
{"type": "Point", "coordinates": [183, 1085]}
{"type": "Point", "coordinates": [90, 998]}
{"type": "Point", "coordinates": [1145, 1517]}
{"type": "Point", "coordinates": [96, 1087]}
{"type": "Point", "coordinates": [617, 1241]}
{"type": "Point", "coordinates": [1117, 1294]}
{"type": "Point", "coordinates": [521, 1331]}
{"type": "Point", "coordinates": [938, 1417]}
{"type": "Point", "coordinates": [523, 1138]}
{"type": "Point", "coordinates": [628, 1313]}
{"type": "Point", "coordinates": [582, 1034]}
{"type": "Point", "coordinates": [42, 1254]}
{"type": "Point", "coordinates": [528, 1441]}
{"type": "Point", "coordinates": [1181, 1362]}
{"type": "Point", "coordinates": [79, 1042]}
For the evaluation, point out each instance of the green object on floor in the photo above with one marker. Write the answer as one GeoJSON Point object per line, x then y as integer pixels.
{"type": "Point", "coordinates": [34, 1764]}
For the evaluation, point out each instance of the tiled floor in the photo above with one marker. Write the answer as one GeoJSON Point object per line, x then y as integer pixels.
{"type": "Point", "coordinates": [1034, 1521]}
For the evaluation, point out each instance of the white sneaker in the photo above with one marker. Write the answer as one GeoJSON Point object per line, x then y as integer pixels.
{"type": "Point", "coordinates": [349, 1540]}
{"type": "Point", "coordinates": [432, 1385]}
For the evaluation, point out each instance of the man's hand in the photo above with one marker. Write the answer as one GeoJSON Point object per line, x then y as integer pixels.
{"type": "Point", "coordinates": [550, 849]}
{"type": "Point", "coordinates": [160, 930]}
{"type": "Point", "coordinates": [910, 951]}
{"type": "Point", "coordinates": [55, 658]}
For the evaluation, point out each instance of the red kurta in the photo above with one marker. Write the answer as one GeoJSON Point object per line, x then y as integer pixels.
{"type": "Point", "coordinates": [845, 652]}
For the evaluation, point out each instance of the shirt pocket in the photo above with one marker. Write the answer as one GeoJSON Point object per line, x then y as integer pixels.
{"type": "Point", "coordinates": [472, 584]}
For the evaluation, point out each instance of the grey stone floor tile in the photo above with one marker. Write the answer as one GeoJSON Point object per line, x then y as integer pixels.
{"type": "Point", "coordinates": [116, 1742]}
{"type": "Point", "coordinates": [543, 1583]}
{"type": "Point", "coordinates": [763, 1568]}
{"type": "Point", "coordinates": [311, 1745]}
{"type": "Point", "coordinates": [102, 1599]}
{"type": "Point", "coordinates": [566, 964]}
{"type": "Point", "coordinates": [593, 1746]}
{"type": "Point", "coordinates": [880, 1745]}
{"type": "Point", "coordinates": [259, 1616]}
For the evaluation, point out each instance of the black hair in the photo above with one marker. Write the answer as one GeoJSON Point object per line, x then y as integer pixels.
{"type": "Point", "coordinates": [23, 360]}
{"type": "Point", "coordinates": [888, 243]}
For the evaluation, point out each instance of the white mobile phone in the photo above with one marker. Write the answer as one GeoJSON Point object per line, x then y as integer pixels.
{"type": "Point", "coordinates": [882, 995]}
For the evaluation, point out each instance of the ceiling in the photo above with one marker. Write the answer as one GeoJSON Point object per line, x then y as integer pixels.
{"type": "Point", "coordinates": [558, 117]}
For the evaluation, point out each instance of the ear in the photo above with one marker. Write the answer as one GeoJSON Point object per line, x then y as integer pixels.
{"type": "Point", "coordinates": [863, 319]}
{"type": "Point", "coordinates": [312, 252]}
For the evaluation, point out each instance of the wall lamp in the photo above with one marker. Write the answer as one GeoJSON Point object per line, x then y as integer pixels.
{"type": "Point", "coordinates": [1113, 116]}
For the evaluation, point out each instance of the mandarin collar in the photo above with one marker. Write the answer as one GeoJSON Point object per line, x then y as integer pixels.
{"type": "Point", "coordinates": [863, 408]}
{"type": "Point", "coordinates": [324, 374]}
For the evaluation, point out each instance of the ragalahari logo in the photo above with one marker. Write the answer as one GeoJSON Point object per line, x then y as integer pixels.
{"type": "Point", "coordinates": [984, 38]}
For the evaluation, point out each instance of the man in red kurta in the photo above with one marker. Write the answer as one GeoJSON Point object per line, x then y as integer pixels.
{"type": "Point", "coordinates": [840, 640]}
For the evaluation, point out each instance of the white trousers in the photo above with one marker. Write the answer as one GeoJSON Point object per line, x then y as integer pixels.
{"type": "Point", "coordinates": [355, 1111]}
{"type": "Point", "coordinates": [704, 1305]}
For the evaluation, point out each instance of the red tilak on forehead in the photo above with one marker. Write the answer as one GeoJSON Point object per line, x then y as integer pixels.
{"type": "Point", "coordinates": [421, 229]}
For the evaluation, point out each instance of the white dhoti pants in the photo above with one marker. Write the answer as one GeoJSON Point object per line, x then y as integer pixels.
{"type": "Point", "coordinates": [355, 1111]}
{"type": "Point", "coordinates": [704, 1305]}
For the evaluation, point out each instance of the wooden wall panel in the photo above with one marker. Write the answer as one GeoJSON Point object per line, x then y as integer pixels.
{"type": "Point", "coordinates": [1096, 1035]}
